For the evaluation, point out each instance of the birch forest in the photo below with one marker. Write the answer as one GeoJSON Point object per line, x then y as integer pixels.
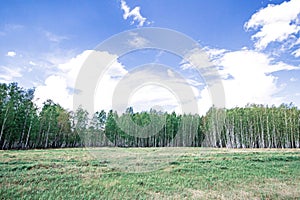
{"type": "Point", "coordinates": [23, 125]}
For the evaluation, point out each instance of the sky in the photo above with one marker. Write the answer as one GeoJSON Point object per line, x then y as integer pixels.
{"type": "Point", "coordinates": [253, 44]}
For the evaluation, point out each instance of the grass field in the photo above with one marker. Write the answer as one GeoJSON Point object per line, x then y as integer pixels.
{"type": "Point", "coordinates": [152, 173]}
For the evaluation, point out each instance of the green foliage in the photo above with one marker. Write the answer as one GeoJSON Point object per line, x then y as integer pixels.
{"type": "Point", "coordinates": [24, 126]}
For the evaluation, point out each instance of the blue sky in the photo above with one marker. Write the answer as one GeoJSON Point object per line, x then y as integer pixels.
{"type": "Point", "coordinates": [255, 44]}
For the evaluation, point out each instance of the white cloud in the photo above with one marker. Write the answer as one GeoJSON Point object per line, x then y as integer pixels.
{"type": "Point", "coordinates": [275, 23]}
{"type": "Point", "coordinates": [70, 69]}
{"type": "Point", "coordinates": [13, 27]}
{"type": "Point", "coordinates": [245, 62]}
{"type": "Point", "coordinates": [59, 87]}
{"type": "Point", "coordinates": [56, 89]}
{"type": "Point", "coordinates": [8, 75]}
{"type": "Point", "coordinates": [204, 102]}
{"type": "Point", "coordinates": [55, 57]}
{"type": "Point", "coordinates": [170, 73]}
{"type": "Point", "coordinates": [195, 57]}
{"type": "Point", "coordinates": [54, 38]}
{"type": "Point", "coordinates": [11, 54]}
{"type": "Point", "coordinates": [137, 41]}
{"type": "Point", "coordinates": [135, 13]}
{"type": "Point", "coordinates": [194, 82]}
{"type": "Point", "coordinates": [214, 53]}
{"type": "Point", "coordinates": [184, 65]}
{"type": "Point", "coordinates": [106, 87]}
{"type": "Point", "coordinates": [32, 63]}
{"type": "Point", "coordinates": [247, 77]}
{"type": "Point", "coordinates": [296, 53]}
{"type": "Point", "coordinates": [252, 79]}
{"type": "Point", "coordinates": [252, 82]}
{"type": "Point", "coordinates": [162, 87]}
{"type": "Point", "coordinates": [152, 96]}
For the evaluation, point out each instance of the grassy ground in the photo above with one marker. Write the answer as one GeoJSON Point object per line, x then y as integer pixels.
{"type": "Point", "coordinates": [153, 173]}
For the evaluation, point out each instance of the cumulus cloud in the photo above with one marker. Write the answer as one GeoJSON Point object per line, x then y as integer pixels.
{"type": "Point", "coordinates": [11, 54]}
{"type": "Point", "coordinates": [248, 77]}
{"type": "Point", "coordinates": [56, 89]}
{"type": "Point", "coordinates": [107, 85]}
{"type": "Point", "coordinates": [134, 13]}
{"type": "Point", "coordinates": [152, 96]}
{"type": "Point", "coordinates": [60, 87]}
{"type": "Point", "coordinates": [275, 23]}
{"type": "Point", "coordinates": [70, 69]}
{"type": "Point", "coordinates": [196, 57]}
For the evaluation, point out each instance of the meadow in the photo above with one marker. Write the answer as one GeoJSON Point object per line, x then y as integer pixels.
{"type": "Point", "coordinates": [150, 173]}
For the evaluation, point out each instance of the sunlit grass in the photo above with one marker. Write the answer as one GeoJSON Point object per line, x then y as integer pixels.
{"type": "Point", "coordinates": [171, 173]}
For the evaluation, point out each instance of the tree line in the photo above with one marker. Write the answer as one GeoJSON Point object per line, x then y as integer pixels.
{"type": "Point", "coordinates": [25, 126]}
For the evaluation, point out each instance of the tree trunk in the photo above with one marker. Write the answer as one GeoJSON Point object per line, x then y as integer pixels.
{"type": "Point", "coordinates": [3, 124]}
{"type": "Point", "coordinates": [28, 133]}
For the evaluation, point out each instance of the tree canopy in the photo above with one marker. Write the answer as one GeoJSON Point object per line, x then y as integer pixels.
{"type": "Point", "coordinates": [23, 125]}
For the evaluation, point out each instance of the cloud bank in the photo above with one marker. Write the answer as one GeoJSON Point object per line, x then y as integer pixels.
{"type": "Point", "coordinates": [248, 75]}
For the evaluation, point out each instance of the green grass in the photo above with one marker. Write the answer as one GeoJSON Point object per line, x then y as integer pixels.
{"type": "Point", "coordinates": [150, 173]}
